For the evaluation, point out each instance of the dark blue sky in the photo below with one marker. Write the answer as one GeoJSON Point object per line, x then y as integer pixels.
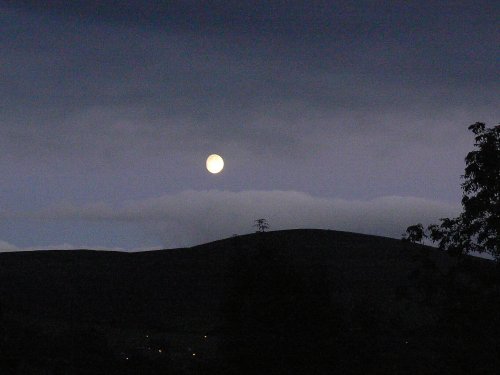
{"type": "Point", "coordinates": [341, 115]}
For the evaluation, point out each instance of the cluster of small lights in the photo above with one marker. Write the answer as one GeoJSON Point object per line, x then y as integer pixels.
{"type": "Point", "coordinates": [193, 354]}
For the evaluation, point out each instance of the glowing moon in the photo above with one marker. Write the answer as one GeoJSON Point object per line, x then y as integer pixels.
{"type": "Point", "coordinates": [215, 163]}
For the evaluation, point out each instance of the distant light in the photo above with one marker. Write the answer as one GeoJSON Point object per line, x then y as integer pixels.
{"type": "Point", "coordinates": [194, 354]}
{"type": "Point", "coordinates": [205, 336]}
{"type": "Point", "coordinates": [159, 350]}
{"type": "Point", "coordinates": [406, 342]}
{"type": "Point", "coordinates": [126, 358]}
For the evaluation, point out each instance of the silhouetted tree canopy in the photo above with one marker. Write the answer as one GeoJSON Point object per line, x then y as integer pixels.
{"type": "Point", "coordinates": [477, 228]}
{"type": "Point", "coordinates": [481, 199]}
{"type": "Point", "coordinates": [414, 233]}
{"type": "Point", "coordinates": [261, 224]}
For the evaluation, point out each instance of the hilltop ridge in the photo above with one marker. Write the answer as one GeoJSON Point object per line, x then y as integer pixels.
{"type": "Point", "coordinates": [317, 299]}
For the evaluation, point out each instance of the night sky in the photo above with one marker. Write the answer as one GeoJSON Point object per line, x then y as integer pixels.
{"type": "Point", "coordinates": [328, 114]}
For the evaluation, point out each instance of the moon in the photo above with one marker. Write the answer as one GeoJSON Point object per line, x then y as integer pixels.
{"type": "Point", "coordinates": [215, 163]}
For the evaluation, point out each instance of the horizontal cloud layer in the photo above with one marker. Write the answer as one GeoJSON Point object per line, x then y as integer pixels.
{"type": "Point", "coordinates": [192, 217]}
{"type": "Point", "coordinates": [8, 247]}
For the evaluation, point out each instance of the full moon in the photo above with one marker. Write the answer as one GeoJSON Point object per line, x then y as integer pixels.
{"type": "Point", "coordinates": [215, 163]}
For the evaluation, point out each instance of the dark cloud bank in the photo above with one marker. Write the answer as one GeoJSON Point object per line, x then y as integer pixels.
{"type": "Point", "coordinates": [338, 116]}
{"type": "Point", "coordinates": [194, 217]}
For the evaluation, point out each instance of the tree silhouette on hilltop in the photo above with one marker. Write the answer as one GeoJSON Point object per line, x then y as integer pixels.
{"type": "Point", "coordinates": [262, 225]}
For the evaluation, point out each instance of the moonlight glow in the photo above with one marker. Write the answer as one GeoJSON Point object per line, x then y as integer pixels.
{"type": "Point", "coordinates": [215, 163]}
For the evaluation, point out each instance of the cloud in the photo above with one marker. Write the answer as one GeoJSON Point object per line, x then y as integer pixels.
{"type": "Point", "coordinates": [137, 92]}
{"type": "Point", "coordinates": [192, 217]}
{"type": "Point", "coordinates": [5, 247]}
{"type": "Point", "coordinates": [8, 247]}
{"type": "Point", "coordinates": [103, 107]}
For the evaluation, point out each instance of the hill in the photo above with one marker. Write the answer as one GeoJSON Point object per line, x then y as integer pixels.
{"type": "Point", "coordinates": [284, 302]}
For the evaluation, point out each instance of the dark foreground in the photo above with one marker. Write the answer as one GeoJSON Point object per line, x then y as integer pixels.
{"type": "Point", "coordinates": [288, 302]}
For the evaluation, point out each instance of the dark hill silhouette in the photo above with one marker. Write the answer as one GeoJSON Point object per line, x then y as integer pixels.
{"type": "Point", "coordinates": [284, 302]}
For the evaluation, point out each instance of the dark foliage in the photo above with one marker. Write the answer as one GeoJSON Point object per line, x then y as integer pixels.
{"type": "Point", "coordinates": [477, 228]}
{"type": "Point", "coordinates": [414, 233]}
{"type": "Point", "coordinates": [481, 200]}
{"type": "Point", "coordinates": [262, 225]}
